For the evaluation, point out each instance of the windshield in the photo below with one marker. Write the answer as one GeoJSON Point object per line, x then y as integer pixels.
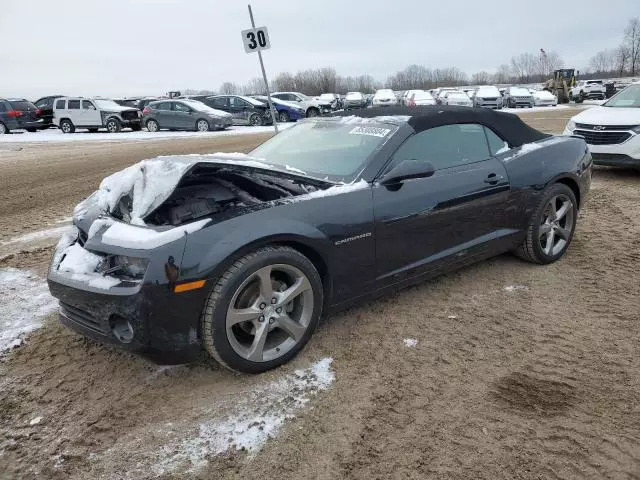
{"type": "Point", "coordinates": [457, 95]}
{"type": "Point", "coordinates": [107, 104]}
{"type": "Point", "coordinates": [629, 98]}
{"type": "Point", "coordinates": [385, 93]}
{"type": "Point", "coordinates": [421, 95]}
{"type": "Point", "coordinates": [488, 92]}
{"type": "Point", "coordinates": [331, 149]}
{"type": "Point", "coordinates": [354, 96]}
{"type": "Point", "coordinates": [519, 91]}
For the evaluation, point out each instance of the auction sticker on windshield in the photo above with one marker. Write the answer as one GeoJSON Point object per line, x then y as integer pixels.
{"type": "Point", "coordinates": [371, 131]}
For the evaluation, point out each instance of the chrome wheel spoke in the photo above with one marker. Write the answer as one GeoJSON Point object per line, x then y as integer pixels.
{"type": "Point", "coordinates": [293, 328]}
{"type": "Point", "coordinates": [545, 228]}
{"type": "Point", "coordinates": [563, 233]}
{"type": "Point", "coordinates": [266, 285]}
{"type": "Point", "coordinates": [548, 247]}
{"type": "Point", "coordinates": [238, 315]}
{"type": "Point", "coordinates": [562, 211]}
{"type": "Point", "coordinates": [300, 286]}
{"type": "Point", "coordinates": [257, 347]}
{"type": "Point", "coordinates": [551, 209]}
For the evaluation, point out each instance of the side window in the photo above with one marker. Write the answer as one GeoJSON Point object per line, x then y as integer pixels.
{"type": "Point", "coordinates": [446, 146]}
{"type": "Point", "coordinates": [496, 144]}
{"type": "Point", "coordinates": [180, 107]}
{"type": "Point", "coordinates": [74, 104]}
{"type": "Point", "coordinates": [238, 103]}
{"type": "Point", "coordinates": [44, 103]}
{"type": "Point", "coordinates": [218, 102]}
{"type": "Point", "coordinates": [162, 106]}
{"type": "Point", "coordinates": [87, 105]}
{"type": "Point", "coordinates": [3, 107]}
{"type": "Point", "coordinates": [60, 104]}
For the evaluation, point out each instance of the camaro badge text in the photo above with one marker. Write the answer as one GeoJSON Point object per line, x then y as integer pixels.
{"type": "Point", "coordinates": [351, 239]}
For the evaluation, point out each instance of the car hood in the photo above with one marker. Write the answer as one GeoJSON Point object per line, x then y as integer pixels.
{"type": "Point", "coordinates": [147, 184]}
{"type": "Point", "coordinates": [609, 116]}
{"type": "Point", "coordinates": [119, 110]}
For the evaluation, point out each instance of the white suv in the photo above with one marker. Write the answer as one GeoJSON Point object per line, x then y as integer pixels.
{"type": "Point", "coordinates": [70, 113]}
{"type": "Point", "coordinates": [588, 90]}
{"type": "Point", "coordinates": [311, 106]}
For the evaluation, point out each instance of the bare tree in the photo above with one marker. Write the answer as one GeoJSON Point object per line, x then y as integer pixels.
{"type": "Point", "coordinates": [228, 88]}
{"type": "Point", "coordinates": [480, 78]}
{"type": "Point", "coordinates": [255, 86]}
{"type": "Point", "coordinates": [524, 66]}
{"type": "Point", "coordinates": [632, 43]}
{"type": "Point", "coordinates": [547, 63]}
{"type": "Point", "coordinates": [503, 74]}
{"type": "Point", "coordinates": [284, 82]}
{"type": "Point", "coordinates": [604, 61]}
{"type": "Point", "coordinates": [622, 59]}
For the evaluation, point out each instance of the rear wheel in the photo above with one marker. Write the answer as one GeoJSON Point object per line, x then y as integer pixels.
{"type": "Point", "coordinates": [202, 125]}
{"type": "Point", "coordinates": [113, 125]}
{"type": "Point", "coordinates": [152, 126]}
{"type": "Point", "coordinates": [255, 120]}
{"type": "Point", "coordinates": [580, 98]}
{"type": "Point", "coordinates": [263, 310]}
{"type": "Point", "coordinates": [313, 112]}
{"type": "Point", "coordinates": [67, 126]}
{"type": "Point", "coordinates": [283, 116]}
{"type": "Point", "coordinates": [3, 129]}
{"type": "Point", "coordinates": [551, 227]}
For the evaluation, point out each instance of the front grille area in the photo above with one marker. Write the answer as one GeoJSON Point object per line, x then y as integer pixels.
{"type": "Point", "coordinates": [129, 115]}
{"type": "Point", "coordinates": [593, 137]}
{"type": "Point", "coordinates": [602, 128]}
{"type": "Point", "coordinates": [84, 319]}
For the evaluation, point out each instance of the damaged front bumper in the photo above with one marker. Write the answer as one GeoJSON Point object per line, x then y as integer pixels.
{"type": "Point", "coordinates": [144, 315]}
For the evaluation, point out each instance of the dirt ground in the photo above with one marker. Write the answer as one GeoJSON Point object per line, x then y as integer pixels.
{"type": "Point", "coordinates": [519, 371]}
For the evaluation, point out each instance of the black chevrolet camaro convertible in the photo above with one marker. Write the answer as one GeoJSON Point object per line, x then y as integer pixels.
{"type": "Point", "coordinates": [238, 256]}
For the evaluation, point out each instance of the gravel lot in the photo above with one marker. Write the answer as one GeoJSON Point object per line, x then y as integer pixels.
{"type": "Point", "coordinates": [500, 370]}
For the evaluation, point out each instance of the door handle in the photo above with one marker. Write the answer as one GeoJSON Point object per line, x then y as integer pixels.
{"type": "Point", "coordinates": [492, 179]}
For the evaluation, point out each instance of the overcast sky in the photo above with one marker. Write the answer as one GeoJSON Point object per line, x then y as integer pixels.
{"type": "Point", "coordinates": [148, 47]}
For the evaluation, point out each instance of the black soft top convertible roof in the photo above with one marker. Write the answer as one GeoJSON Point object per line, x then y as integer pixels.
{"type": "Point", "coordinates": [508, 126]}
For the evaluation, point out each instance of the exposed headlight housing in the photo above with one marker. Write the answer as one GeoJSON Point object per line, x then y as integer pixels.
{"type": "Point", "coordinates": [122, 266]}
{"type": "Point", "coordinates": [571, 125]}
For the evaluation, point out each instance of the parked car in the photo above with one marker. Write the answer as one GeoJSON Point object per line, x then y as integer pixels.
{"type": "Point", "coordinates": [487, 96]}
{"type": "Point", "coordinates": [441, 93]}
{"type": "Point", "coordinates": [184, 114]}
{"type": "Point", "coordinates": [332, 98]}
{"type": "Point", "coordinates": [612, 130]}
{"type": "Point", "coordinates": [544, 98]}
{"type": "Point", "coordinates": [143, 102]}
{"type": "Point", "coordinates": [515, 97]}
{"type": "Point", "coordinates": [456, 97]}
{"type": "Point", "coordinates": [312, 107]}
{"type": "Point", "coordinates": [286, 111]}
{"type": "Point", "coordinates": [354, 100]}
{"type": "Point", "coordinates": [384, 97]}
{"type": "Point", "coordinates": [588, 90]}
{"type": "Point", "coordinates": [243, 110]}
{"type": "Point", "coordinates": [70, 113]}
{"type": "Point", "coordinates": [238, 257]}
{"type": "Point", "coordinates": [19, 114]}
{"type": "Point", "coordinates": [45, 104]}
{"type": "Point", "coordinates": [417, 98]}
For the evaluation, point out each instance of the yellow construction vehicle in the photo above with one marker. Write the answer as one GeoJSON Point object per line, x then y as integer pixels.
{"type": "Point", "coordinates": [563, 80]}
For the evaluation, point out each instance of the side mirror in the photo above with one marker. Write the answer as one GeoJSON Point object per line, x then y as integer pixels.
{"type": "Point", "coordinates": [407, 170]}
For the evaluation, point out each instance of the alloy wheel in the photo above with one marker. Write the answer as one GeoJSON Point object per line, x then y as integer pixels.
{"type": "Point", "coordinates": [112, 126]}
{"type": "Point", "coordinates": [3, 129]}
{"type": "Point", "coordinates": [269, 313]}
{"type": "Point", "coordinates": [203, 126]}
{"type": "Point", "coordinates": [283, 117]}
{"type": "Point", "coordinates": [557, 225]}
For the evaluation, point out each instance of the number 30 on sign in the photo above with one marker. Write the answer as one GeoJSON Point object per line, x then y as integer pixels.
{"type": "Point", "coordinates": [255, 39]}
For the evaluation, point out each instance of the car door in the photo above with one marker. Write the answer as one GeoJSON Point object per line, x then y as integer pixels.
{"type": "Point", "coordinates": [90, 114]}
{"type": "Point", "coordinates": [240, 110]}
{"type": "Point", "coordinates": [220, 103]}
{"type": "Point", "coordinates": [449, 218]}
{"type": "Point", "coordinates": [163, 115]}
{"type": "Point", "coordinates": [183, 116]}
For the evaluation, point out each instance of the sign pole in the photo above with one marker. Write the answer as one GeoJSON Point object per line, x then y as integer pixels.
{"type": "Point", "coordinates": [264, 75]}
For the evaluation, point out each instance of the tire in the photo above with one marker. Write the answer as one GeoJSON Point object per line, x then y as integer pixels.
{"type": "Point", "coordinates": [113, 125]}
{"type": "Point", "coordinates": [255, 120]}
{"type": "Point", "coordinates": [32, 130]}
{"type": "Point", "coordinates": [233, 344]}
{"type": "Point", "coordinates": [152, 126]}
{"type": "Point", "coordinates": [562, 229]}
{"type": "Point", "coordinates": [67, 126]}
{"type": "Point", "coordinates": [3, 129]}
{"type": "Point", "coordinates": [580, 98]}
{"type": "Point", "coordinates": [283, 116]}
{"type": "Point", "coordinates": [92, 130]}
{"type": "Point", "coordinates": [202, 125]}
{"type": "Point", "coordinates": [313, 112]}
{"type": "Point", "coordinates": [136, 128]}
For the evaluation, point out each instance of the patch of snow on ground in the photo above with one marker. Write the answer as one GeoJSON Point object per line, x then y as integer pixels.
{"type": "Point", "coordinates": [410, 342]}
{"type": "Point", "coordinates": [256, 416]}
{"type": "Point", "coordinates": [55, 135]}
{"type": "Point", "coordinates": [39, 235]}
{"type": "Point", "coordinates": [25, 300]}
{"type": "Point", "coordinates": [535, 109]}
{"type": "Point", "coordinates": [513, 288]}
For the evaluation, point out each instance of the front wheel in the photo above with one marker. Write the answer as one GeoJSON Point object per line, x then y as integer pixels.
{"type": "Point", "coordinates": [313, 112]}
{"type": "Point", "coordinates": [283, 116]}
{"type": "Point", "coordinates": [202, 125]}
{"type": "Point", "coordinates": [551, 227]}
{"type": "Point", "coordinates": [113, 125]}
{"type": "Point", "coordinates": [152, 126]}
{"type": "Point", "coordinates": [3, 129]}
{"type": "Point", "coordinates": [255, 120]}
{"type": "Point", "coordinates": [263, 310]}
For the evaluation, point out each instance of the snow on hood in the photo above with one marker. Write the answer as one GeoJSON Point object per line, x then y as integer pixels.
{"type": "Point", "coordinates": [609, 116]}
{"type": "Point", "coordinates": [543, 95]}
{"type": "Point", "coordinates": [151, 182]}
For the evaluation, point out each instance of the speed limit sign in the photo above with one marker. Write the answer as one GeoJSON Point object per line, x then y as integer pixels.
{"type": "Point", "coordinates": [256, 39]}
